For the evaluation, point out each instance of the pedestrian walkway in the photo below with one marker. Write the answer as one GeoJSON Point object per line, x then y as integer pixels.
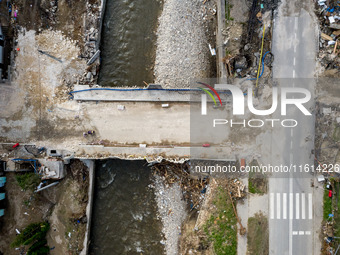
{"type": "Point", "coordinates": [283, 206]}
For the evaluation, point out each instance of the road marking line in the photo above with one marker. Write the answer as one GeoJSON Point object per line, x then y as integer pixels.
{"type": "Point", "coordinates": [307, 233]}
{"type": "Point", "coordinates": [301, 233]}
{"type": "Point", "coordinates": [293, 64]}
{"type": "Point", "coordinates": [310, 206]}
{"type": "Point", "coordinates": [295, 48]}
{"type": "Point", "coordinates": [303, 204]}
{"type": "Point", "coordinates": [296, 23]}
{"type": "Point", "coordinates": [295, 35]}
{"type": "Point", "coordinates": [297, 204]}
{"type": "Point", "coordinates": [278, 206]}
{"type": "Point", "coordinates": [284, 206]}
{"type": "Point", "coordinates": [293, 73]}
{"type": "Point", "coordinates": [271, 205]}
{"type": "Point", "coordinates": [291, 206]}
{"type": "Point", "coordinates": [295, 233]}
{"type": "Point", "coordinates": [290, 241]}
{"type": "Point", "coordinates": [291, 131]}
{"type": "Point", "coordinates": [291, 144]}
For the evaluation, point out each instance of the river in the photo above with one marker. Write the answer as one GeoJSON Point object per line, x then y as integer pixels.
{"type": "Point", "coordinates": [124, 217]}
{"type": "Point", "coordinates": [129, 42]}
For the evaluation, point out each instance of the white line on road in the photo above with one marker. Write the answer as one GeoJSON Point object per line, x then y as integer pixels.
{"type": "Point", "coordinates": [297, 204]}
{"type": "Point", "coordinates": [293, 64]}
{"type": "Point", "coordinates": [291, 206]}
{"type": "Point", "coordinates": [293, 73]}
{"type": "Point", "coordinates": [295, 233]}
{"type": "Point", "coordinates": [310, 206]}
{"type": "Point", "coordinates": [295, 48]}
{"type": "Point", "coordinates": [284, 206]}
{"type": "Point", "coordinates": [271, 205]}
{"type": "Point", "coordinates": [278, 205]}
{"type": "Point", "coordinates": [296, 23]}
{"type": "Point", "coordinates": [291, 144]}
{"type": "Point", "coordinates": [301, 233]}
{"type": "Point", "coordinates": [307, 233]}
{"type": "Point", "coordinates": [291, 132]}
{"type": "Point", "coordinates": [290, 243]}
{"type": "Point", "coordinates": [303, 206]}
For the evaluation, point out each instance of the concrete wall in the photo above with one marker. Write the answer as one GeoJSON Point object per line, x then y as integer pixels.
{"type": "Point", "coordinates": [91, 165]}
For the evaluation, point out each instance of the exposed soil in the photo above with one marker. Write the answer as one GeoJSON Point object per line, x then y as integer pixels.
{"type": "Point", "coordinates": [64, 206]}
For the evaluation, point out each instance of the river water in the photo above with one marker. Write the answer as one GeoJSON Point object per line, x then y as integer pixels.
{"type": "Point", "coordinates": [124, 212]}
{"type": "Point", "coordinates": [129, 42]}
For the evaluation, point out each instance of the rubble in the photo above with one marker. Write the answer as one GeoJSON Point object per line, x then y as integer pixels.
{"type": "Point", "coordinates": [328, 13]}
{"type": "Point", "coordinates": [193, 189]}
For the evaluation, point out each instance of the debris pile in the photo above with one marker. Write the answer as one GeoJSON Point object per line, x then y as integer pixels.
{"type": "Point", "coordinates": [327, 140]}
{"type": "Point", "coordinates": [193, 189]}
{"type": "Point", "coordinates": [329, 16]}
{"type": "Point", "coordinates": [236, 188]}
{"type": "Point", "coordinates": [243, 52]}
{"type": "Point", "coordinates": [91, 42]}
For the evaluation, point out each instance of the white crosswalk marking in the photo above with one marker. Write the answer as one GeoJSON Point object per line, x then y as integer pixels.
{"type": "Point", "coordinates": [297, 206]}
{"type": "Point", "coordinates": [310, 206]}
{"type": "Point", "coordinates": [303, 206]}
{"type": "Point", "coordinates": [278, 205]}
{"type": "Point", "coordinates": [282, 206]}
{"type": "Point", "coordinates": [291, 208]}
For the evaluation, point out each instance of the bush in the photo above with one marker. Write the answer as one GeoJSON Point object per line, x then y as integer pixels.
{"type": "Point", "coordinates": [34, 234]}
{"type": "Point", "coordinates": [28, 181]}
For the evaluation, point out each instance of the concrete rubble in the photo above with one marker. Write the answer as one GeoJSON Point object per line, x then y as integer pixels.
{"type": "Point", "coordinates": [329, 15]}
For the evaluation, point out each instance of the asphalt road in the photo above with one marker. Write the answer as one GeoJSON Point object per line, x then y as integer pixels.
{"type": "Point", "coordinates": [291, 211]}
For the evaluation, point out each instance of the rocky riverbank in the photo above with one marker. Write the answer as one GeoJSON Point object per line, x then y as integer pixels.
{"type": "Point", "coordinates": [183, 42]}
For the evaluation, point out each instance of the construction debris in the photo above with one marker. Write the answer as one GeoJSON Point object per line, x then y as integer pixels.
{"type": "Point", "coordinates": [328, 13]}
{"type": "Point", "coordinates": [193, 189]}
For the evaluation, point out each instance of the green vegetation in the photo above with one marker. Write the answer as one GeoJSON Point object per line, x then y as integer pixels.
{"type": "Point", "coordinates": [327, 204]}
{"type": "Point", "coordinates": [258, 235]}
{"type": "Point", "coordinates": [337, 214]}
{"type": "Point", "coordinates": [34, 235]}
{"type": "Point", "coordinates": [221, 228]}
{"type": "Point", "coordinates": [336, 134]}
{"type": "Point", "coordinates": [257, 182]}
{"type": "Point", "coordinates": [28, 181]}
{"type": "Point", "coordinates": [227, 12]}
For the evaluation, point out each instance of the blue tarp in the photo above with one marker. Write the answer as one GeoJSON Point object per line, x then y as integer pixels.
{"type": "Point", "coordinates": [2, 181]}
{"type": "Point", "coordinates": [2, 196]}
{"type": "Point", "coordinates": [2, 212]}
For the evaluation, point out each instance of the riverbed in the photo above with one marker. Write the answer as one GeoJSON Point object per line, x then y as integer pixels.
{"type": "Point", "coordinates": [124, 218]}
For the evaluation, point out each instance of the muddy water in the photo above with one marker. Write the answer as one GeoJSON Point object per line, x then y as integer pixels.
{"type": "Point", "coordinates": [128, 42]}
{"type": "Point", "coordinates": [124, 211]}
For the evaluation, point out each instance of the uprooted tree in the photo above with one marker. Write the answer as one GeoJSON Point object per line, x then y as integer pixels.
{"type": "Point", "coordinates": [35, 235]}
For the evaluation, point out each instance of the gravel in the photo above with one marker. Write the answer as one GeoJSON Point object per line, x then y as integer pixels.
{"type": "Point", "coordinates": [182, 52]}
{"type": "Point", "coordinates": [172, 211]}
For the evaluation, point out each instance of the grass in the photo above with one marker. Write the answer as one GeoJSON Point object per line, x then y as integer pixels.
{"type": "Point", "coordinates": [221, 228]}
{"type": "Point", "coordinates": [258, 235]}
{"type": "Point", "coordinates": [337, 214]}
{"type": "Point", "coordinates": [28, 181]}
{"type": "Point", "coordinates": [227, 12]}
{"type": "Point", "coordinates": [257, 182]}
{"type": "Point", "coordinates": [327, 204]}
{"type": "Point", "coordinates": [336, 134]}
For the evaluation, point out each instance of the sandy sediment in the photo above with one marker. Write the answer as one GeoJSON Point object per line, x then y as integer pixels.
{"type": "Point", "coordinates": [172, 211]}
{"type": "Point", "coordinates": [182, 52]}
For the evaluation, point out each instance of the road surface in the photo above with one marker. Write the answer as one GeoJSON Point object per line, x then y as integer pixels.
{"type": "Point", "coordinates": [291, 212]}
